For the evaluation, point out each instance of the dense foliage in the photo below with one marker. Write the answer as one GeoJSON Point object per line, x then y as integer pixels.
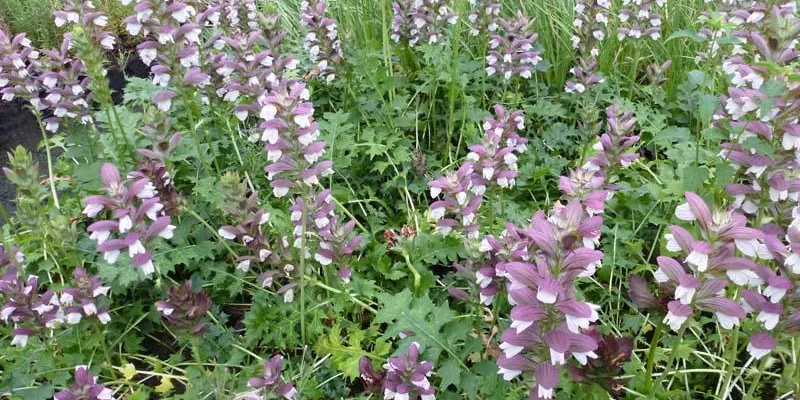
{"type": "Point", "coordinates": [416, 199]}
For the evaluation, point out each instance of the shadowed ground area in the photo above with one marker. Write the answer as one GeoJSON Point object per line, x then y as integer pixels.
{"type": "Point", "coordinates": [17, 127]}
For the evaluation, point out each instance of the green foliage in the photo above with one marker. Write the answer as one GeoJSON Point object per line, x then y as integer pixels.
{"type": "Point", "coordinates": [394, 119]}
{"type": "Point", "coordinates": [26, 16]}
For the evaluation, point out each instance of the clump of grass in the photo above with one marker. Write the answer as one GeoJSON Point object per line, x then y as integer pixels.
{"type": "Point", "coordinates": [35, 17]}
{"type": "Point", "coordinates": [32, 17]}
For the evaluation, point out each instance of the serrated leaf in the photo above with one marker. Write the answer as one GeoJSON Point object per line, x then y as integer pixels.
{"type": "Point", "coordinates": [404, 313]}
{"type": "Point", "coordinates": [708, 104]}
{"type": "Point", "coordinates": [723, 175]}
{"type": "Point", "coordinates": [128, 371]}
{"type": "Point", "coordinates": [693, 178]}
{"type": "Point", "coordinates": [120, 275]}
{"type": "Point", "coordinates": [347, 351]}
{"type": "Point", "coordinates": [672, 134]}
{"type": "Point", "coordinates": [165, 386]}
{"type": "Point", "coordinates": [546, 109]}
{"type": "Point", "coordinates": [450, 373]}
{"type": "Point", "coordinates": [686, 33]}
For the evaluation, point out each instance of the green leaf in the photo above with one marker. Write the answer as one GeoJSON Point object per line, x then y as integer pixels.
{"type": "Point", "coordinates": [450, 373]}
{"type": "Point", "coordinates": [673, 134]}
{"type": "Point", "coordinates": [772, 88]}
{"type": "Point", "coordinates": [708, 104]}
{"type": "Point", "coordinates": [686, 33]}
{"type": "Point", "coordinates": [546, 109]}
{"type": "Point", "coordinates": [120, 275]}
{"type": "Point", "coordinates": [346, 352]}
{"type": "Point", "coordinates": [723, 175]}
{"type": "Point", "coordinates": [403, 313]}
{"type": "Point", "coordinates": [693, 178]}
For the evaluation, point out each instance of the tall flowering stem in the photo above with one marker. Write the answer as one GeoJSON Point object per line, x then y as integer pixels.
{"type": "Point", "coordinates": [589, 26]}
{"type": "Point", "coordinates": [249, 65]}
{"type": "Point", "coordinates": [68, 95]}
{"type": "Point", "coordinates": [759, 114]}
{"type": "Point", "coordinates": [85, 387]}
{"type": "Point", "coordinates": [270, 256]}
{"type": "Point", "coordinates": [541, 263]}
{"type": "Point", "coordinates": [271, 384]}
{"type": "Point", "coordinates": [417, 22]}
{"type": "Point", "coordinates": [639, 19]}
{"type": "Point", "coordinates": [294, 167]}
{"type": "Point", "coordinates": [322, 38]}
{"type": "Point", "coordinates": [89, 39]}
{"type": "Point", "coordinates": [174, 49]}
{"type": "Point", "coordinates": [490, 163]}
{"type": "Point", "coordinates": [483, 16]}
{"type": "Point", "coordinates": [294, 151]}
{"type": "Point", "coordinates": [513, 49]}
{"type": "Point", "coordinates": [137, 219]}
{"type": "Point", "coordinates": [722, 261]}
{"type": "Point", "coordinates": [29, 311]}
{"type": "Point", "coordinates": [405, 378]}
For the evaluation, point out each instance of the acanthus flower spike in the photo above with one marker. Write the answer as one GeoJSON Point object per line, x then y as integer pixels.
{"type": "Point", "coordinates": [513, 50]}
{"type": "Point", "coordinates": [271, 382]}
{"type": "Point", "coordinates": [19, 62]}
{"type": "Point", "coordinates": [269, 256]}
{"type": "Point", "coordinates": [322, 37]}
{"type": "Point", "coordinates": [589, 26]}
{"type": "Point", "coordinates": [639, 18]}
{"type": "Point", "coordinates": [418, 22]}
{"type": "Point", "coordinates": [25, 308]}
{"type": "Point", "coordinates": [81, 299]}
{"type": "Point", "coordinates": [483, 16]}
{"type": "Point", "coordinates": [541, 263]}
{"type": "Point", "coordinates": [137, 219]}
{"type": "Point", "coordinates": [491, 163]}
{"type": "Point", "coordinates": [86, 387]}
{"type": "Point", "coordinates": [185, 309]}
{"type": "Point", "coordinates": [407, 377]}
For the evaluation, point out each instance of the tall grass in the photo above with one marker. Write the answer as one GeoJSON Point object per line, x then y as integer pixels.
{"type": "Point", "coordinates": [364, 23]}
{"type": "Point", "coordinates": [33, 17]}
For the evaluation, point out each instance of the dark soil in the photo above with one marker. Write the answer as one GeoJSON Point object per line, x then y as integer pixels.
{"type": "Point", "coordinates": [18, 127]}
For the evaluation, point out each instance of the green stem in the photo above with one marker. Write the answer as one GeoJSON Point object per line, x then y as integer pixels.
{"type": "Point", "coordinates": [452, 92]}
{"type": "Point", "coordinates": [674, 351]}
{"type": "Point", "coordinates": [213, 231]}
{"type": "Point", "coordinates": [303, 270]}
{"type": "Point", "coordinates": [759, 374]}
{"type": "Point", "coordinates": [414, 272]}
{"type": "Point", "coordinates": [635, 69]}
{"type": "Point", "coordinates": [239, 154]}
{"type": "Point", "coordinates": [796, 364]}
{"type": "Point", "coordinates": [4, 214]}
{"type": "Point", "coordinates": [129, 146]}
{"type": "Point", "coordinates": [353, 298]}
{"type": "Point", "coordinates": [349, 214]}
{"type": "Point", "coordinates": [651, 356]}
{"type": "Point", "coordinates": [51, 177]}
{"type": "Point", "coordinates": [196, 351]}
{"type": "Point", "coordinates": [589, 136]}
{"type": "Point", "coordinates": [731, 362]}
{"type": "Point", "coordinates": [193, 132]}
{"type": "Point", "coordinates": [484, 76]}
{"type": "Point", "coordinates": [117, 145]}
